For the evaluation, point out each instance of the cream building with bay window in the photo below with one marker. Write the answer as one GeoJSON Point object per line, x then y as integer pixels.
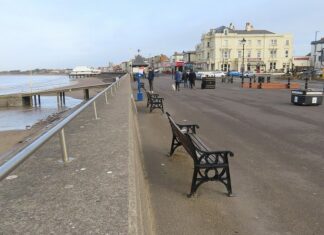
{"type": "Point", "coordinates": [264, 51]}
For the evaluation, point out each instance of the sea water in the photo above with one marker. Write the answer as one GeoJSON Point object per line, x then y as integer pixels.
{"type": "Point", "coordinates": [20, 118]}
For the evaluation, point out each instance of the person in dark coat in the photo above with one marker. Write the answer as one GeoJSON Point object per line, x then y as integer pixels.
{"type": "Point", "coordinates": [185, 78]}
{"type": "Point", "coordinates": [192, 78]}
{"type": "Point", "coordinates": [178, 77]}
{"type": "Point", "coordinates": [150, 78]}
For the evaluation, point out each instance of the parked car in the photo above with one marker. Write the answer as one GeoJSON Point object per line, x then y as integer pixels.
{"type": "Point", "coordinates": [219, 74]}
{"type": "Point", "coordinates": [201, 74]}
{"type": "Point", "coordinates": [233, 73]}
{"type": "Point", "coordinates": [318, 72]}
{"type": "Point", "coordinates": [248, 74]}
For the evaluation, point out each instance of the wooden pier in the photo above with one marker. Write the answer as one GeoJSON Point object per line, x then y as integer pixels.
{"type": "Point", "coordinates": [34, 98]}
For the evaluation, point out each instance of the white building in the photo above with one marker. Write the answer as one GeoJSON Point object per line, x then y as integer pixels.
{"type": "Point", "coordinates": [222, 49]}
{"type": "Point", "coordinates": [84, 71]}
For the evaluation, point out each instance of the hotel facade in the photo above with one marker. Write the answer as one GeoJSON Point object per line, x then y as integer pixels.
{"type": "Point", "coordinates": [264, 51]}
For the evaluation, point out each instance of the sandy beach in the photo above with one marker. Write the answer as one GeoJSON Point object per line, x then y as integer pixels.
{"type": "Point", "coordinates": [13, 141]}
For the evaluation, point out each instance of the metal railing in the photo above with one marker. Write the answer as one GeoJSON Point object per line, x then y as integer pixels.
{"type": "Point", "coordinates": [10, 165]}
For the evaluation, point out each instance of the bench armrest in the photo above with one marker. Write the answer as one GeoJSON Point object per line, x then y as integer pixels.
{"type": "Point", "coordinates": [191, 128]}
{"type": "Point", "coordinates": [157, 98]}
{"type": "Point", "coordinates": [214, 158]}
{"type": "Point", "coordinates": [225, 152]}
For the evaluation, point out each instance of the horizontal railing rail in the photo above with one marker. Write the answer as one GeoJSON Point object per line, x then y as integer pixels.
{"type": "Point", "coordinates": [7, 167]}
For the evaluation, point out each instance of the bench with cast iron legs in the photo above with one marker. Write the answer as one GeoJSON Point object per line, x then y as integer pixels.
{"type": "Point", "coordinates": [154, 101]}
{"type": "Point", "coordinates": [208, 165]}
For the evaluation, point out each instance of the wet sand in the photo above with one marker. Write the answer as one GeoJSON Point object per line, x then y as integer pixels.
{"type": "Point", "coordinates": [13, 141]}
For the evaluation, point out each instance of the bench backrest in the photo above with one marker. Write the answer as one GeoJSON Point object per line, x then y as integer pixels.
{"type": "Point", "coordinates": [183, 137]}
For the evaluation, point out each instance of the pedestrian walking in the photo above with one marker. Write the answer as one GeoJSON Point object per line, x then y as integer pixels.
{"type": "Point", "coordinates": [185, 79]}
{"type": "Point", "coordinates": [192, 78]}
{"type": "Point", "coordinates": [150, 78]}
{"type": "Point", "coordinates": [178, 77]}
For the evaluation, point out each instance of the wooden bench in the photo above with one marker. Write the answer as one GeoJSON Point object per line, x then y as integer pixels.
{"type": "Point", "coordinates": [208, 165]}
{"type": "Point", "coordinates": [154, 101]}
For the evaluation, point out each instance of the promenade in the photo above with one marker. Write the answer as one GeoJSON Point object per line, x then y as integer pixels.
{"type": "Point", "coordinates": [277, 171]}
{"type": "Point", "coordinates": [121, 180]}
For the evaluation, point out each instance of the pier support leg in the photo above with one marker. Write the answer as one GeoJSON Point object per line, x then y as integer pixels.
{"type": "Point", "coordinates": [86, 94]}
{"type": "Point", "coordinates": [65, 156]}
{"type": "Point", "coordinates": [39, 100]}
{"type": "Point", "coordinates": [58, 101]}
{"type": "Point", "coordinates": [35, 101]}
{"type": "Point", "coordinates": [63, 97]}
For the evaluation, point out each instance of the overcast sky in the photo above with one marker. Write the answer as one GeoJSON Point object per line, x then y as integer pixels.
{"type": "Point", "coordinates": [67, 33]}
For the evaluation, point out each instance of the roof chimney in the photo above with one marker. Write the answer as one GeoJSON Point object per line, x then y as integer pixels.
{"type": "Point", "coordinates": [248, 26]}
{"type": "Point", "coordinates": [231, 26]}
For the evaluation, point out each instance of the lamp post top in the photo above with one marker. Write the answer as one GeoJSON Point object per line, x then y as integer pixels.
{"type": "Point", "coordinates": [243, 41]}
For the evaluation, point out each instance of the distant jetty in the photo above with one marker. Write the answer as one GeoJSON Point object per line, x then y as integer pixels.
{"type": "Point", "coordinates": [84, 71]}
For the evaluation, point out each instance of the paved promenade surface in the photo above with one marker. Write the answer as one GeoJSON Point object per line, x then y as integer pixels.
{"type": "Point", "coordinates": [277, 171]}
{"type": "Point", "coordinates": [93, 194]}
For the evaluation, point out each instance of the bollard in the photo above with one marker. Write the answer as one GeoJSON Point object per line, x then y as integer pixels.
{"type": "Point", "coordinates": [250, 84]}
{"type": "Point", "coordinates": [306, 83]}
{"type": "Point", "coordinates": [65, 156]}
{"type": "Point", "coordinates": [288, 84]}
{"type": "Point", "coordinates": [95, 110]}
{"type": "Point", "coordinates": [242, 81]}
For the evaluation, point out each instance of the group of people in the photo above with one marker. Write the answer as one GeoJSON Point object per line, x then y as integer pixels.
{"type": "Point", "coordinates": [179, 76]}
{"type": "Point", "coordinates": [185, 76]}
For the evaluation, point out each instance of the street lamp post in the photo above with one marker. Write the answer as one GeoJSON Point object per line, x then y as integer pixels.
{"type": "Point", "coordinates": [243, 41]}
{"type": "Point", "coordinates": [315, 52]}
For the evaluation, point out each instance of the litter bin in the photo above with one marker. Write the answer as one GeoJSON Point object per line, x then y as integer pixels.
{"type": "Point", "coordinates": [306, 97]}
{"type": "Point", "coordinates": [208, 83]}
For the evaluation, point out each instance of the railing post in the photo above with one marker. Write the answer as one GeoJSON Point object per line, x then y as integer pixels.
{"type": "Point", "coordinates": [112, 91]}
{"type": "Point", "coordinates": [95, 109]}
{"type": "Point", "coordinates": [65, 156]}
{"type": "Point", "coordinates": [106, 97]}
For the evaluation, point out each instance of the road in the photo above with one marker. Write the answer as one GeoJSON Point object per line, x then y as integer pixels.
{"type": "Point", "coordinates": [277, 171]}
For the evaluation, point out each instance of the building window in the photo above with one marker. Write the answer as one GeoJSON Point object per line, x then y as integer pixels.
{"type": "Point", "coordinates": [226, 31]}
{"type": "Point", "coordinates": [287, 42]}
{"type": "Point", "coordinates": [207, 55]}
{"type": "Point", "coordinates": [259, 54]}
{"type": "Point", "coordinates": [274, 42]}
{"type": "Point", "coordinates": [239, 54]}
{"type": "Point", "coordinates": [272, 65]}
{"type": "Point", "coordinates": [207, 44]}
{"type": "Point", "coordinates": [249, 54]}
{"type": "Point", "coordinates": [259, 42]}
{"type": "Point", "coordinates": [286, 53]}
{"type": "Point", "coordinates": [273, 53]}
{"type": "Point", "coordinates": [249, 42]}
{"type": "Point", "coordinates": [225, 54]}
